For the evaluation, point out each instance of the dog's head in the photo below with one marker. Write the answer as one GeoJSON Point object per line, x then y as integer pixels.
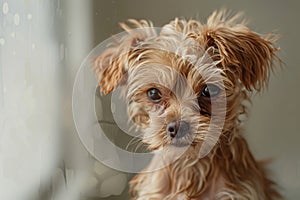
{"type": "Point", "coordinates": [182, 82]}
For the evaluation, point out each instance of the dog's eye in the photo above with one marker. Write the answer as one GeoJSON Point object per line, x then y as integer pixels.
{"type": "Point", "coordinates": [210, 90]}
{"type": "Point", "coordinates": [154, 95]}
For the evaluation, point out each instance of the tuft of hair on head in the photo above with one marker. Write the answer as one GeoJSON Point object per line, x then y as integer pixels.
{"type": "Point", "coordinates": [247, 55]}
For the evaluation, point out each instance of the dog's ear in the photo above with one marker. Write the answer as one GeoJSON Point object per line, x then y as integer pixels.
{"type": "Point", "coordinates": [245, 53]}
{"type": "Point", "coordinates": [112, 65]}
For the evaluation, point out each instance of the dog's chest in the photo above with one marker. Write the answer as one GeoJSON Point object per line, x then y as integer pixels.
{"type": "Point", "coordinates": [187, 180]}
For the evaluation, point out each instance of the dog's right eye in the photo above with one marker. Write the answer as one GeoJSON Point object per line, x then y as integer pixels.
{"type": "Point", "coordinates": [154, 95]}
{"type": "Point", "coordinates": [210, 90]}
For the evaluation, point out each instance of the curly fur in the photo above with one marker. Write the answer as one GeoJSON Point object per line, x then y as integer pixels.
{"type": "Point", "coordinates": [180, 61]}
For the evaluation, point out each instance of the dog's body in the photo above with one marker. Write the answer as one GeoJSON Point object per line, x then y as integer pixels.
{"type": "Point", "coordinates": [220, 175]}
{"type": "Point", "coordinates": [185, 89]}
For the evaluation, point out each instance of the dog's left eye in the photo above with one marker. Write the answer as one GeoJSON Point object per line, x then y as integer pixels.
{"type": "Point", "coordinates": [210, 90]}
{"type": "Point", "coordinates": [154, 95]}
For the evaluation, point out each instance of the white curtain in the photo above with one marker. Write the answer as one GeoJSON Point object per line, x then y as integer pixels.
{"type": "Point", "coordinates": [41, 46]}
{"type": "Point", "coordinates": [30, 61]}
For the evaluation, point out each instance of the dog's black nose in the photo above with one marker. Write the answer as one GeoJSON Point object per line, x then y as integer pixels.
{"type": "Point", "coordinates": [177, 128]}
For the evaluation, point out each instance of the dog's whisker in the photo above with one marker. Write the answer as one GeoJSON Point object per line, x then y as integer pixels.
{"type": "Point", "coordinates": [131, 142]}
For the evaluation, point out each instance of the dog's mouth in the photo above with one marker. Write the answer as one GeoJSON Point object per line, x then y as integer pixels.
{"type": "Point", "coordinates": [186, 140]}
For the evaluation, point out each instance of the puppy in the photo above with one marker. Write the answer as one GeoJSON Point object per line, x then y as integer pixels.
{"type": "Point", "coordinates": [186, 86]}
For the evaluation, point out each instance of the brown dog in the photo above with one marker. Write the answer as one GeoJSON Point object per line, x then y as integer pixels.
{"type": "Point", "coordinates": [186, 87]}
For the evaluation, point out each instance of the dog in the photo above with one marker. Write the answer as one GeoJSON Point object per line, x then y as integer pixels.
{"type": "Point", "coordinates": [187, 87]}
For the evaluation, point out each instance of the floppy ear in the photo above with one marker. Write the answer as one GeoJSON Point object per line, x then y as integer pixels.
{"type": "Point", "coordinates": [245, 53]}
{"type": "Point", "coordinates": [112, 65]}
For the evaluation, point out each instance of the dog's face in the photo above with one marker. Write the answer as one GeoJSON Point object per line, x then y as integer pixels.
{"type": "Point", "coordinates": [171, 97]}
{"type": "Point", "coordinates": [187, 82]}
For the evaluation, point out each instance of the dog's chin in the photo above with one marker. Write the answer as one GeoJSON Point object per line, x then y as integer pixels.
{"type": "Point", "coordinates": [180, 142]}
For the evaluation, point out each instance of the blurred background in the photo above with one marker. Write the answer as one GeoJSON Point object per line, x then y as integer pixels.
{"type": "Point", "coordinates": [43, 43]}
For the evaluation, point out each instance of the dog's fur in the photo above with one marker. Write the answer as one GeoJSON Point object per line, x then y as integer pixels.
{"type": "Point", "coordinates": [180, 61]}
